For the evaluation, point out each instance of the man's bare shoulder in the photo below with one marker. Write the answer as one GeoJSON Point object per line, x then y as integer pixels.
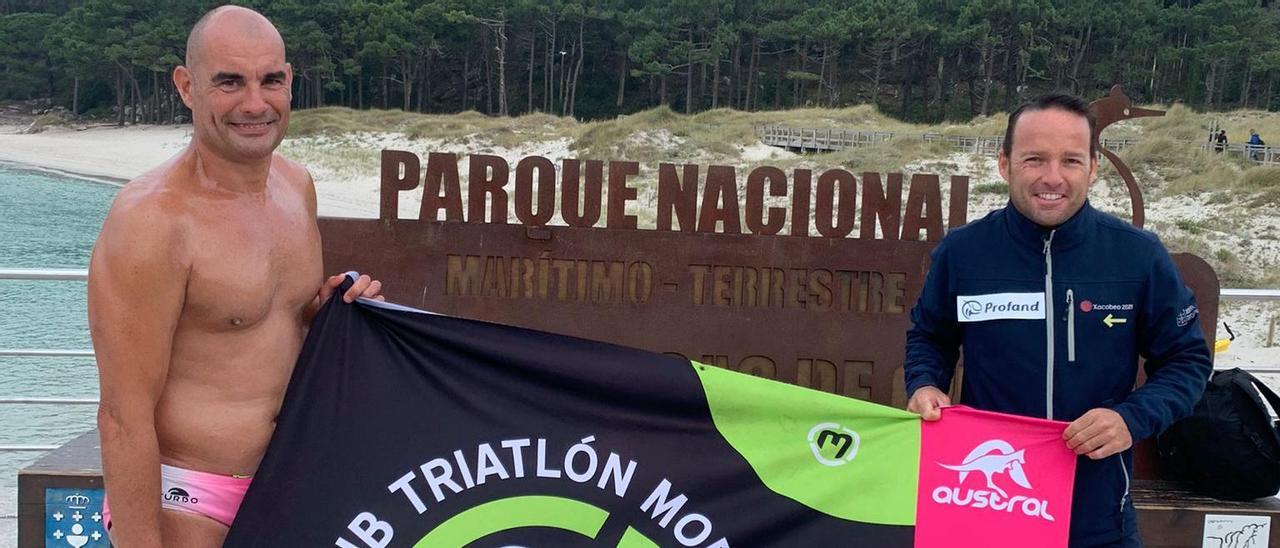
{"type": "Point", "coordinates": [149, 213]}
{"type": "Point", "coordinates": [150, 199]}
{"type": "Point", "coordinates": [291, 171]}
{"type": "Point", "coordinates": [297, 178]}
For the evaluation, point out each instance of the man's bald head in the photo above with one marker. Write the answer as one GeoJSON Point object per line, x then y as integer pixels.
{"type": "Point", "coordinates": [229, 22]}
{"type": "Point", "coordinates": [237, 84]}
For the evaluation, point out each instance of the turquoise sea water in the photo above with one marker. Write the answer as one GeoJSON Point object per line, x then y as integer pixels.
{"type": "Point", "coordinates": [47, 220]}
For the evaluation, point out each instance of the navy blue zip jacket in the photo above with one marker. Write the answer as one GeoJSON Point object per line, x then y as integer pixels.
{"type": "Point", "coordinates": [1052, 323]}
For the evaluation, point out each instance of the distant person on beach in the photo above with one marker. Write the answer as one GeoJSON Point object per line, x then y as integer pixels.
{"type": "Point", "coordinates": [1255, 145]}
{"type": "Point", "coordinates": [1051, 302]}
{"type": "Point", "coordinates": [201, 286]}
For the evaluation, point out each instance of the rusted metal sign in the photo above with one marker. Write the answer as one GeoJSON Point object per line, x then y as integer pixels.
{"type": "Point", "coordinates": [788, 281]}
{"type": "Point", "coordinates": [687, 201]}
{"type": "Point", "coordinates": [826, 313]}
{"type": "Point", "coordinates": [804, 276]}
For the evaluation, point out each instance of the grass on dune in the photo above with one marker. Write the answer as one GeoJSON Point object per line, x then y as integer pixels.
{"type": "Point", "coordinates": [1261, 184]}
{"type": "Point", "coordinates": [1169, 147]}
{"type": "Point", "coordinates": [1169, 144]}
{"type": "Point", "coordinates": [501, 131]}
{"type": "Point", "coordinates": [712, 133]}
{"type": "Point", "coordinates": [888, 156]}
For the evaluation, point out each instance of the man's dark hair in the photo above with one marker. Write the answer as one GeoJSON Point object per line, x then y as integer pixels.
{"type": "Point", "coordinates": [1060, 101]}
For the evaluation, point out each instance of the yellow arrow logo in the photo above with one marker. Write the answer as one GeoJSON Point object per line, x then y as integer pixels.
{"type": "Point", "coordinates": [1111, 321]}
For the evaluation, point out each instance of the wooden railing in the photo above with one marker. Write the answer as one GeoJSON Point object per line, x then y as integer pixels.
{"type": "Point", "coordinates": [819, 140]}
{"type": "Point", "coordinates": [1258, 154]}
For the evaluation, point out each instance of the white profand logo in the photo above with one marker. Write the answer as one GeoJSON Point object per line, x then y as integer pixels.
{"type": "Point", "coordinates": [1000, 306]}
{"type": "Point", "coordinates": [991, 459]}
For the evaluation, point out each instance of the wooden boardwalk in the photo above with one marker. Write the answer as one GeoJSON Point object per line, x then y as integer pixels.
{"type": "Point", "coordinates": [1264, 155]}
{"type": "Point", "coordinates": [819, 140]}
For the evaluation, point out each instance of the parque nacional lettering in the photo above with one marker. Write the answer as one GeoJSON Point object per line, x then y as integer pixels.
{"type": "Point", "coordinates": [803, 275]}
{"type": "Point", "coordinates": [688, 197]}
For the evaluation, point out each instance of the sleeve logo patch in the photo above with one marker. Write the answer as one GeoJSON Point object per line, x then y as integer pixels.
{"type": "Point", "coordinates": [1000, 306]}
{"type": "Point", "coordinates": [1187, 315]}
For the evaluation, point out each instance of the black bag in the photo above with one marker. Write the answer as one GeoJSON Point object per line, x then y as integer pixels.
{"type": "Point", "coordinates": [1228, 448]}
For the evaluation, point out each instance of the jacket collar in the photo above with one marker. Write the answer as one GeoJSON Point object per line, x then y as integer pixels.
{"type": "Point", "coordinates": [1065, 236]}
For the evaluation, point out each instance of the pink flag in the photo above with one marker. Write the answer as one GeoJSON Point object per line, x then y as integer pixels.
{"type": "Point", "coordinates": [992, 480]}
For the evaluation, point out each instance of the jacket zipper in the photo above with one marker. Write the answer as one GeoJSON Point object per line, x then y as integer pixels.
{"type": "Point", "coordinates": [1071, 326]}
{"type": "Point", "coordinates": [1048, 325]}
{"type": "Point", "coordinates": [1124, 469]}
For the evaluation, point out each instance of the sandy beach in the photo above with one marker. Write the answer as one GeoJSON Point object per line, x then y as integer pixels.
{"type": "Point", "coordinates": [108, 152]}
{"type": "Point", "coordinates": [116, 155]}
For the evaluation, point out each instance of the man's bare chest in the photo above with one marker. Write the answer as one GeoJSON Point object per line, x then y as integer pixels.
{"type": "Point", "coordinates": [247, 265]}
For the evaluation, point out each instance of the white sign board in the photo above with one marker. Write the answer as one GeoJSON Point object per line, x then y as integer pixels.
{"type": "Point", "coordinates": [1223, 531]}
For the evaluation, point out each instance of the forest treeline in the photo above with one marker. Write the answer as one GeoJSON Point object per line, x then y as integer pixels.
{"type": "Point", "coordinates": [919, 60]}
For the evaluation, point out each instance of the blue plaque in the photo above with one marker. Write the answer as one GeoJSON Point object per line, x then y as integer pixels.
{"type": "Point", "coordinates": [73, 518]}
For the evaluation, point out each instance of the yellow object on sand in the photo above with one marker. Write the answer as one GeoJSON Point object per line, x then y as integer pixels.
{"type": "Point", "coordinates": [1221, 345]}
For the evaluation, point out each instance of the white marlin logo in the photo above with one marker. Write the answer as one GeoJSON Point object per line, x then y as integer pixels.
{"type": "Point", "coordinates": [992, 458]}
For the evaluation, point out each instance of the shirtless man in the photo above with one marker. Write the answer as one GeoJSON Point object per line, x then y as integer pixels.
{"type": "Point", "coordinates": [201, 286]}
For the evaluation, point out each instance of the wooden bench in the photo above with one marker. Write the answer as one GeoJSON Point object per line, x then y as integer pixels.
{"type": "Point", "coordinates": [1170, 515]}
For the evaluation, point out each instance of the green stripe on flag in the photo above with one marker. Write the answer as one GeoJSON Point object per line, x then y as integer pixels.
{"type": "Point", "coordinates": [514, 513]}
{"type": "Point", "coordinates": [847, 458]}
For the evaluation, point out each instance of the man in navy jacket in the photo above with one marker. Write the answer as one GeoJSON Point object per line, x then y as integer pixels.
{"type": "Point", "coordinates": [1052, 302]}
